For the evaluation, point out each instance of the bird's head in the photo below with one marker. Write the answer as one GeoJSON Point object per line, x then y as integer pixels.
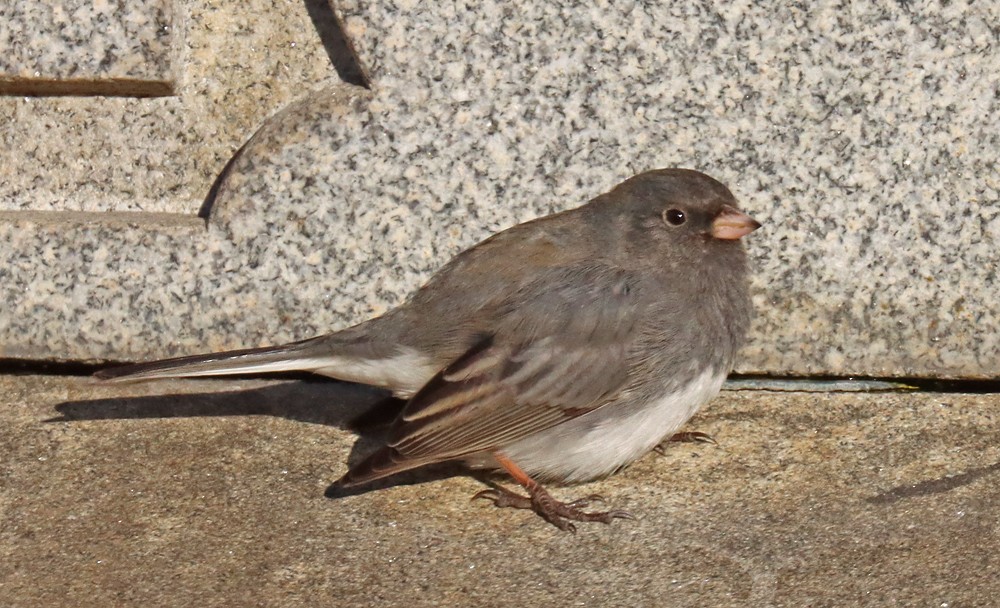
{"type": "Point", "coordinates": [684, 213]}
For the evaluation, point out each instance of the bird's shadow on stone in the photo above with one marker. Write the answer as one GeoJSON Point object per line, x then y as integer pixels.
{"type": "Point", "coordinates": [362, 409]}
{"type": "Point", "coordinates": [929, 487]}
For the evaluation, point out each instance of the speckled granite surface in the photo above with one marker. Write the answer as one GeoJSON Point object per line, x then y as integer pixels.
{"type": "Point", "coordinates": [235, 63]}
{"type": "Point", "coordinates": [863, 137]}
{"type": "Point", "coordinates": [189, 500]}
{"type": "Point", "coordinates": [86, 40]}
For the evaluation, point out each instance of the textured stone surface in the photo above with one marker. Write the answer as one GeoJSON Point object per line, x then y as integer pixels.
{"type": "Point", "coordinates": [233, 69]}
{"type": "Point", "coordinates": [809, 499]}
{"type": "Point", "coordinates": [80, 40]}
{"type": "Point", "coordinates": [863, 136]}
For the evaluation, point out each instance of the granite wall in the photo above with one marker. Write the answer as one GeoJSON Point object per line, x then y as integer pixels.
{"type": "Point", "coordinates": [864, 135]}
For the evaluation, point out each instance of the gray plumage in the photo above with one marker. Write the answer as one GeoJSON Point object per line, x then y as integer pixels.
{"type": "Point", "coordinates": [571, 344]}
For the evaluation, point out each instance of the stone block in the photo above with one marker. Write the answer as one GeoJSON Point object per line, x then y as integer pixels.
{"type": "Point", "coordinates": [863, 137]}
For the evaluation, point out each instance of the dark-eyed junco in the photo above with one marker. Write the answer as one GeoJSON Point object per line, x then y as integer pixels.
{"type": "Point", "coordinates": [559, 349]}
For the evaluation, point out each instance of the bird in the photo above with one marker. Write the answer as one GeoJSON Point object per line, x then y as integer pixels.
{"type": "Point", "coordinates": [558, 350]}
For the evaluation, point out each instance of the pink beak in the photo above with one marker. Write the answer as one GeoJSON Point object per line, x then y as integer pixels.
{"type": "Point", "coordinates": [731, 224]}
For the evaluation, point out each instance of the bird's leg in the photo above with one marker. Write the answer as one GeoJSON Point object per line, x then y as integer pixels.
{"type": "Point", "coordinates": [684, 437]}
{"type": "Point", "coordinates": [559, 514]}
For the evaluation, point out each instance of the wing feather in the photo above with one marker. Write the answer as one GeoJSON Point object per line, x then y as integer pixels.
{"type": "Point", "coordinates": [518, 381]}
{"type": "Point", "coordinates": [555, 354]}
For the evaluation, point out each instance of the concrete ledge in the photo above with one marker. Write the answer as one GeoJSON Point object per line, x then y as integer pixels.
{"type": "Point", "coordinates": [215, 497]}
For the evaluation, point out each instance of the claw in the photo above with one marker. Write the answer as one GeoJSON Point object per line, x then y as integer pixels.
{"type": "Point", "coordinates": [490, 494]}
{"type": "Point", "coordinates": [503, 497]}
{"type": "Point", "coordinates": [692, 437]}
{"type": "Point", "coordinates": [618, 514]}
{"type": "Point", "coordinates": [586, 500]}
{"type": "Point", "coordinates": [685, 437]}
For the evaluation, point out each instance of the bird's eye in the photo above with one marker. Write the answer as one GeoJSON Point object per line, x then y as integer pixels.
{"type": "Point", "coordinates": [674, 217]}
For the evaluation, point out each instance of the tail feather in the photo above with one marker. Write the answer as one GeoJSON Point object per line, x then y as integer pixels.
{"type": "Point", "coordinates": [288, 357]}
{"type": "Point", "coordinates": [383, 463]}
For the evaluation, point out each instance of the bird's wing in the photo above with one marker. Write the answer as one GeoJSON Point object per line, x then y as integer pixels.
{"type": "Point", "coordinates": [558, 352]}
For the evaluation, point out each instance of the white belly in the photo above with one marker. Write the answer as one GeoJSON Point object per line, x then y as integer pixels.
{"type": "Point", "coordinates": [606, 439]}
